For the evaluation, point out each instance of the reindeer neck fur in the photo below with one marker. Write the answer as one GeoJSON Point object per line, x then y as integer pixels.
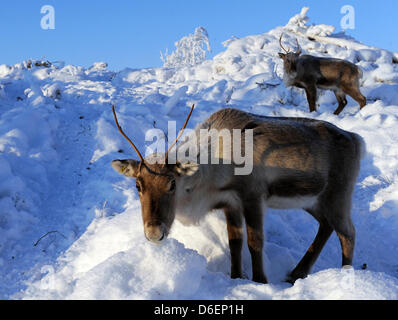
{"type": "Point", "coordinates": [290, 74]}
{"type": "Point", "coordinates": [196, 196]}
{"type": "Point", "coordinates": [289, 79]}
{"type": "Point", "coordinates": [200, 193]}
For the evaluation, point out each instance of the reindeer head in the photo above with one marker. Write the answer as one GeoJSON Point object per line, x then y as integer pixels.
{"type": "Point", "coordinates": [156, 186]}
{"type": "Point", "coordinates": [289, 58]}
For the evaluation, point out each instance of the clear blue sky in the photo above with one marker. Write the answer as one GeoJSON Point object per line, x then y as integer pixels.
{"type": "Point", "coordinates": [132, 33]}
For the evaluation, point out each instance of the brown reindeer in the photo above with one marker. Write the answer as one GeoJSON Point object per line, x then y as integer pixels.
{"type": "Point", "coordinates": [309, 72]}
{"type": "Point", "coordinates": [297, 163]}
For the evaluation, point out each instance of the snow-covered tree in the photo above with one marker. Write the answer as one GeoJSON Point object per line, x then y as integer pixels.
{"type": "Point", "coordinates": [190, 50]}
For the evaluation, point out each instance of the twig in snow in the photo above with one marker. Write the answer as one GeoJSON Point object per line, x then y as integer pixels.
{"type": "Point", "coordinates": [54, 231]}
{"type": "Point", "coordinates": [265, 85]}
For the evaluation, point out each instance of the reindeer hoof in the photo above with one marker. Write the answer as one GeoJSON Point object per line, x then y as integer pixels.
{"type": "Point", "coordinates": [294, 275]}
{"type": "Point", "coordinates": [260, 279]}
{"type": "Point", "coordinates": [237, 275]}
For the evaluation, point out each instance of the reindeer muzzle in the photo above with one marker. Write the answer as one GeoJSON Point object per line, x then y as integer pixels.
{"type": "Point", "coordinates": [155, 232]}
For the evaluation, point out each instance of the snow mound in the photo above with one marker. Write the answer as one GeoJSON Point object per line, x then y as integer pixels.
{"type": "Point", "coordinates": [330, 284]}
{"type": "Point", "coordinates": [145, 272]}
{"type": "Point", "coordinates": [343, 284]}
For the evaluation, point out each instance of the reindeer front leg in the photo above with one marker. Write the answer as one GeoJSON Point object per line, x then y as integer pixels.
{"type": "Point", "coordinates": [310, 91]}
{"type": "Point", "coordinates": [255, 237]}
{"type": "Point", "coordinates": [235, 238]}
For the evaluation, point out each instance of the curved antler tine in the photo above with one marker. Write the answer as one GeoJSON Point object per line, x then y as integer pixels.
{"type": "Point", "coordinates": [124, 135]}
{"type": "Point", "coordinates": [179, 135]}
{"type": "Point", "coordinates": [280, 43]}
{"type": "Point", "coordinates": [298, 50]}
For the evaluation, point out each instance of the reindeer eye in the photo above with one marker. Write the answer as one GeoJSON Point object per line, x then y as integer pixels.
{"type": "Point", "coordinates": [172, 186]}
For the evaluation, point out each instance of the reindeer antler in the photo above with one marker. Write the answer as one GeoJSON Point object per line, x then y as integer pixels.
{"type": "Point", "coordinates": [124, 135]}
{"type": "Point", "coordinates": [298, 51]}
{"type": "Point", "coordinates": [179, 134]}
{"type": "Point", "coordinates": [280, 43]}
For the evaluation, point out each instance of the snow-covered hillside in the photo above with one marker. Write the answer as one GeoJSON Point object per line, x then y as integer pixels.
{"type": "Point", "coordinates": [71, 228]}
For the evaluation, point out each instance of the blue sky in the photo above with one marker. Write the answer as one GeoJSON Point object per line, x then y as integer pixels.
{"type": "Point", "coordinates": [132, 33]}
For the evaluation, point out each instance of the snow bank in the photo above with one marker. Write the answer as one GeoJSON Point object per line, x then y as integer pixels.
{"type": "Point", "coordinates": [142, 271]}
{"type": "Point", "coordinates": [330, 284]}
{"type": "Point", "coordinates": [26, 153]}
{"type": "Point", "coordinates": [70, 227]}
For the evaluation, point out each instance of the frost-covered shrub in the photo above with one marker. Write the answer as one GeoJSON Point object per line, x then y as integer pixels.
{"type": "Point", "coordinates": [298, 24]}
{"type": "Point", "coordinates": [190, 50]}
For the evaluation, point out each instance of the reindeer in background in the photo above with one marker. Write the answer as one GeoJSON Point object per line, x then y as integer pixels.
{"type": "Point", "coordinates": [309, 72]}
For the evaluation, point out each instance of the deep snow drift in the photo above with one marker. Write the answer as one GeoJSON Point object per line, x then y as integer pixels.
{"type": "Point", "coordinates": [70, 227]}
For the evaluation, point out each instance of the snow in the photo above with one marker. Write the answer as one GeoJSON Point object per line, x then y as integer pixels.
{"type": "Point", "coordinates": [173, 100]}
{"type": "Point", "coordinates": [71, 228]}
{"type": "Point", "coordinates": [332, 284]}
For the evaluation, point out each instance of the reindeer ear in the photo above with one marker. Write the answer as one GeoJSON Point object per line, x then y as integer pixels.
{"type": "Point", "coordinates": [281, 55]}
{"type": "Point", "coordinates": [186, 168]}
{"type": "Point", "coordinates": [128, 167]}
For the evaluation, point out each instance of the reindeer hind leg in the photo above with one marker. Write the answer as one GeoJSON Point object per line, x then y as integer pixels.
{"type": "Point", "coordinates": [354, 92]}
{"type": "Point", "coordinates": [345, 230]}
{"type": "Point", "coordinates": [304, 266]}
{"type": "Point", "coordinates": [341, 99]}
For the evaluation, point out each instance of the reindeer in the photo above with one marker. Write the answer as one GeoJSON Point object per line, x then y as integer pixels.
{"type": "Point", "coordinates": [297, 163]}
{"type": "Point", "coordinates": [309, 72]}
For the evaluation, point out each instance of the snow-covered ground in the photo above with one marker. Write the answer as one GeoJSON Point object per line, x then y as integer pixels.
{"type": "Point", "coordinates": [71, 228]}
